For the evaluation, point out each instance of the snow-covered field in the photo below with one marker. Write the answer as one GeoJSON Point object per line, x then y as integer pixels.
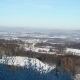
{"type": "Point", "coordinates": [28, 62]}
{"type": "Point", "coordinates": [38, 49]}
{"type": "Point", "coordinates": [75, 51]}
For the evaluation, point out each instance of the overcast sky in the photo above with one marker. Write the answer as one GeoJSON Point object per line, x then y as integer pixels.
{"type": "Point", "coordinates": [56, 14]}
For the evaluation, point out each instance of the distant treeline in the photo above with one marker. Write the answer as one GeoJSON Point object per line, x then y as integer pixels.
{"type": "Point", "coordinates": [75, 46]}
{"type": "Point", "coordinates": [11, 41]}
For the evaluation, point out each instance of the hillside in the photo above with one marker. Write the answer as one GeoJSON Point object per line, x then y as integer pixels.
{"type": "Point", "coordinates": [29, 69]}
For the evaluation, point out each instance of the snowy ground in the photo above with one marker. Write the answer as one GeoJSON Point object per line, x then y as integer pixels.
{"type": "Point", "coordinates": [28, 62]}
{"type": "Point", "coordinates": [75, 51]}
{"type": "Point", "coordinates": [43, 50]}
{"type": "Point", "coordinates": [77, 77]}
{"type": "Point", "coordinates": [38, 49]}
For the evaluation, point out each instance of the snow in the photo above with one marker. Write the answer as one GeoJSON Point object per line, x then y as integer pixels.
{"type": "Point", "coordinates": [37, 49]}
{"type": "Point", "coordinates": [76, 51]}
{"type": "Point", "coordinates": [42, 49]}
{"type": "Point", "coordinates": [77, 77]}
{"type": "Point", "coordinates": [28, 62]}
{"type": "Point", "coordinates": [62, 37]}
{"type": "Point", "coordinates": [26, 48]}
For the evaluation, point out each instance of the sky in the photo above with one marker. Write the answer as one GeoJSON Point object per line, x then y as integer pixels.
{"type": "Point", "coordinates": [56, 14]}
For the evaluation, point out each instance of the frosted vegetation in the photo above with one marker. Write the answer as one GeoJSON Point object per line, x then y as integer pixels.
{"type": "Point", "coordinates": [29, 69]}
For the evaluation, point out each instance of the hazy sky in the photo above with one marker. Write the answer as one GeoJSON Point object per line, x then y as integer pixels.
{"type": "Point", "coordinates": [57, 14]}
